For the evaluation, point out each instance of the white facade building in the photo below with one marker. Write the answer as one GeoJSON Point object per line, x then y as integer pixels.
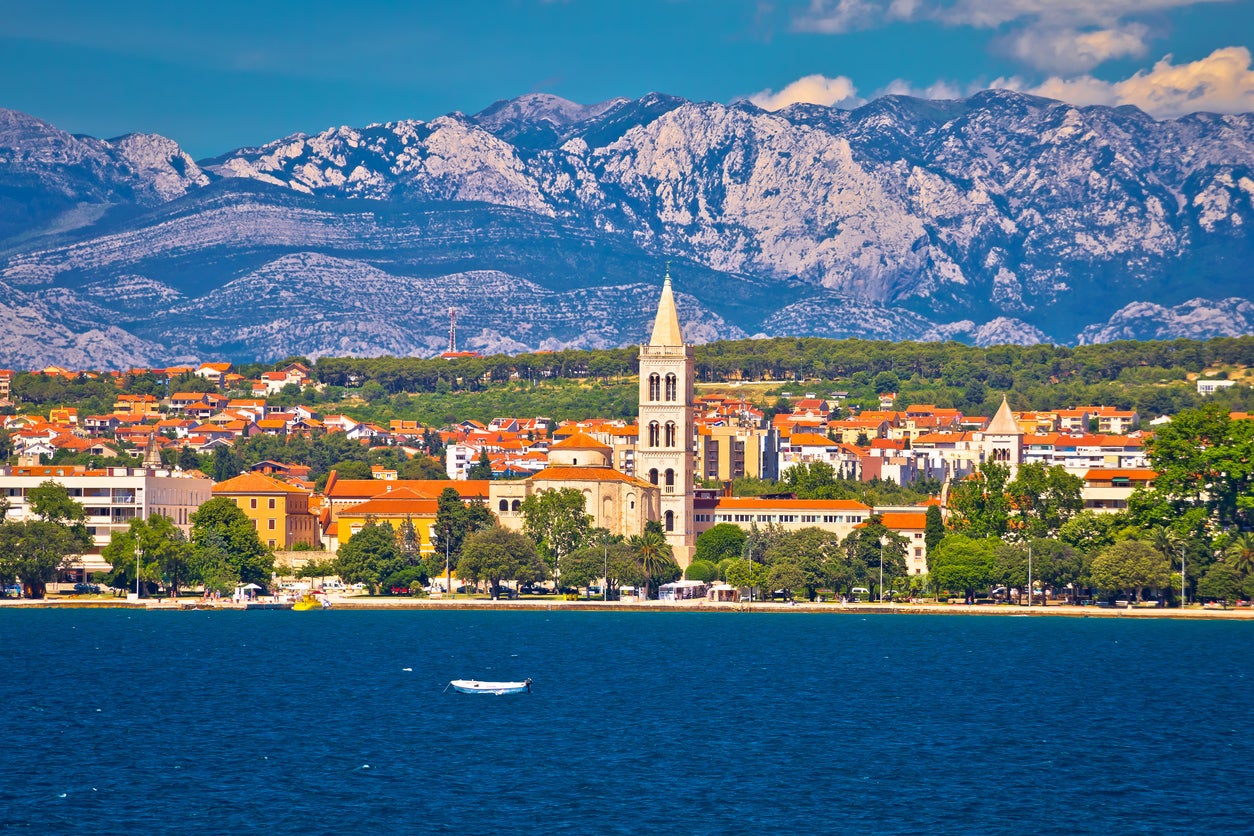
{"type": "Point", "coordinates": [111, 497]}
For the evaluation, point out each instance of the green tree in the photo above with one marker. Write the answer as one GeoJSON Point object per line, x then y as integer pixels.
{"type": "Point", "coordinates": [455, 520]}
{"type": "Point", "coordinates": [35, 551]}
{"type": "Point", "coordinates": [1090, 532]}
{"type": "Point", "coordinates": [558, 524]}
{"type": "Point", "coordinates": [1044, 498]}
{"type": "Point", "coordinates": [159, 547]}
{"type": "Point", "coordinates": [807, 559]}
{"type": "Point", "coordinates": [743, 573]}
{"type": "Point", "coordinates": [653, 553]}
{"type": "Point", "coordinates": [1057, 565]}
{"type": "Point", "coordinates": [1130, 565]}
{"type": "Point", "coordinates": [224, 464]}
{"type": "Point", "coordinates": [1240, 553]}
{"type": "Point", "coordinates": [408, 544]}
{"type": "Point", "coordinates": [421, 467]}
{"type": "Point", "coordinates": [720, 541]}
{"type": "Point", "coordinates": [319, 569]}
{"type": "Point", "coordinates": [873, 546]}
{"type": "Point", "coordinates": [495, 555]}
{"type": "Point", "coordinates": [962, 563]}
{"type": "Point", "coordinates": [979, 503]}
{"type": "Point", "coordinates": [482, 469]}
{"type": "Point", "coordinates": [701, 570]}
{"type": "Point", "coordinates": [934, 527]}
{"type": "Point", "coordinates": [1204, 460]}
{"type": "Point", "coordinates": [369, 556]}
{"type": "Point", "coordinates": [222, 531]}
{"type": "Point", "coordinates": [1220, 583]}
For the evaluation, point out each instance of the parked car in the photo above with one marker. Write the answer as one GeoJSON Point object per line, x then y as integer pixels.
{"type": "Point", "coordinates": [86, 588]}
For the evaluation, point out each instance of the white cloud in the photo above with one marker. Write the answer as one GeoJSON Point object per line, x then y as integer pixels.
{"type": "Point", "coordinates": [811, 89]}
{"type": "Point", "coordinates": [1222, 82]}
{"type": "Point", "coordinates": [936, 90]}
{"type": "Point", "coordinates": [835, 16]}
{"type": "Point", "coordinates": [1061, 36]}
{"type": "Point", "coordinates": [1068, 50]}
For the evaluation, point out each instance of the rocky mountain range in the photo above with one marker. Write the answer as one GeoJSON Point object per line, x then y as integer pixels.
{"type": "Point", "coordinates": [1001, 218]}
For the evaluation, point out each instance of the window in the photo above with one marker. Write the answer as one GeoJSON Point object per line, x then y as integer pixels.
{"type": "Point", "coordinates": [671, 387]}
{"type": "Point", "coordinates": [271, 503]}
{"type": "Point", "coordinates": [271, 543]}
{"type": "Point", "coordinates": [515, 505]}
{"type": "Point", "coordinates": [504, 506]}
{"type": "Point", "coordinates": [670, 520]}
{"type": "Point", "coordinates": [653, 475]}
{"type": "Point", "coordinates": [655, 434]}
{"type": "Point", "coordinates": [670, 478]}
{"type": "Point", "coordinates": [655, 385]}
{"type": "Point", "coordinates": [670, 433]}
{"type": "Point", "coordinates": [270, 524]}
{"type": "Point", "coordinates": [252, 503]}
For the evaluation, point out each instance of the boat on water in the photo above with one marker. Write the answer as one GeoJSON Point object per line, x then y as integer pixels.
{"type": "Point", "coordinates": [474, 686]}
{"type": "Point", "coordinates": [311, 602]}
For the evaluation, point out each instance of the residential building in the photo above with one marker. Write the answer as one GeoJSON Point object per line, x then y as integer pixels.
{"type": "Point", "coordinates": [726, 453]}
{"type": "Point", "coordinates": [1210, 387]}
{"type": "Point", "coordinates": [1107, 490]}
{"type": "Point", "coordinates": [279, 511]}
{"type": "Point", "coordinates": [393, 505]}
{"type": "Point", "coordinates": [839, 516]}
{"type": "Point", "coordinates": [111, 497]}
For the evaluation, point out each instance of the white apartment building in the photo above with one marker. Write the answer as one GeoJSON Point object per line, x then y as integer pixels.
{"type": "Point", "coordinates": [112, 497]}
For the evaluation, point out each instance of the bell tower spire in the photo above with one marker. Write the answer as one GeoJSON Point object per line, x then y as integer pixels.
{"type": "Point", "coordinates": [666, 427]}
{"type": "Point", "coordinates": [666, 325]}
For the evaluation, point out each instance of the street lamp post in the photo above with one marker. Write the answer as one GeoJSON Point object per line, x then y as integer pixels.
{"type": "Point", "coordinates": [1029, 574]}
{"type": "Point", "coordinates": [605, 569]}
{"type": "Point", "coordinates": [881, 571]}
{"type": "Point", "coordinates": [750, 548]}
{"type": "Point", "coordinates": [1181, 576]}
{"type": "Point", "coordinates": [448, 571]}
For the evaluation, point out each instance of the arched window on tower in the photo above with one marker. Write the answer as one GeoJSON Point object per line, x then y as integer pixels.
{"type": "Point", "coordinates": [670, 433]}
{"type": "Point", "coordinates": [670, 478]}
{"type": "Point", "coordinates": [504, 506]}
{"type": "Point", "coordinates": [671, 387]}
{"type": "Point", "coordinates": [653, 475]}
{"type": "Point", "coordinates": [670, 520]}
{"type": "Point", "coordinates": [655, 387]}
{"type": "Point", "coordinates": [654, 434]}
{"type": "Point", "coordinates": [515, 506]}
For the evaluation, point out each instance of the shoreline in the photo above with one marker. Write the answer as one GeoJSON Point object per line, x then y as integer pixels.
{"type": "Point", "coordinates": [357, 603]}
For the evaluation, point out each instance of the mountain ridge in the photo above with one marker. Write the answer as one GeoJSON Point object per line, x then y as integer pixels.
{"type": "Point", "coordinates": [1000, 217]}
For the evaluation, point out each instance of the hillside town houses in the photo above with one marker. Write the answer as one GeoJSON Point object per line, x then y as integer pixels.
{"type": "Point", "coordinates": [675, 464]}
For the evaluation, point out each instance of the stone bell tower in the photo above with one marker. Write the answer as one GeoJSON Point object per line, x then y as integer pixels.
{"type": "Point", "coordinates": [664, 447]}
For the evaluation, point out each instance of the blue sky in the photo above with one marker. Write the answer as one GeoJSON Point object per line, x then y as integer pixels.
{"type": "Point", "coordinates": [216, 76]}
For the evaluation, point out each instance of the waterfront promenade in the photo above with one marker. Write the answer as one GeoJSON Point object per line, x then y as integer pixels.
{"type": "Point", "coordinates": [365, 602]}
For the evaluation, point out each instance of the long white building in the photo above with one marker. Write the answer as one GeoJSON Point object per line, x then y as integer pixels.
{"type": "Point", "coordinates": [112, 497]}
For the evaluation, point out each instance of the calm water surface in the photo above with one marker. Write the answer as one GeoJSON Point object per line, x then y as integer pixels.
{"type": "Point", "coordinates": [330, 722]}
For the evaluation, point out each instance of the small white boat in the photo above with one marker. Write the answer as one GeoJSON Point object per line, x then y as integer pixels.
{"type": "Point", "coordinates": [474, 686]}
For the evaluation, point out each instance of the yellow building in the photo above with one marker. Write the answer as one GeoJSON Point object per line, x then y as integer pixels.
{"type": "Point", "coordinates": [279, 511]}
{"type": "Point", "coordinates": [728, 453]}
{"type": "Point", "coordinates": [392, 507]}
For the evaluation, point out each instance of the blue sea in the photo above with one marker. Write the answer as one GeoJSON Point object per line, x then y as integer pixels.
{"type": "Point", "coordinates": [339, 722]}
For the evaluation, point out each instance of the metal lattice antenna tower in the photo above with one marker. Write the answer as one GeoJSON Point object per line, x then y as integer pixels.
{"type": "Point", "coordinates": [452, 330]}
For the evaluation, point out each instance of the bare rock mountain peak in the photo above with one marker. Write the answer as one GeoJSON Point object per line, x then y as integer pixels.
{"type": "Point", "coordinates": [997, 218]}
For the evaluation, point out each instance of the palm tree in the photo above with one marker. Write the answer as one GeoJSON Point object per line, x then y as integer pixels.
{"type": "Point", "coordinates": [655, 557]}
{"type": "Point", "coordinates": [1240, 553]}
